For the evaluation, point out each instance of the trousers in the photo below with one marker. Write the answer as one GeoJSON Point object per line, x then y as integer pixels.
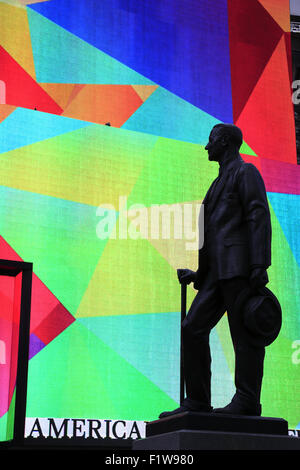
{"type": "Point", "coordinates": [209, 305]}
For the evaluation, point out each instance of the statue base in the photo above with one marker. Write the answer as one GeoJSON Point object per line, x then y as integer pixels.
{"type": "Point", "coordinates": [209, 431]}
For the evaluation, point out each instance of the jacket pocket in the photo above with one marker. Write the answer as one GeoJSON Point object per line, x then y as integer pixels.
{"type": "Point", "coordinates": [232, 196]}
{"type": "Point", "coordinates": [234, 241]}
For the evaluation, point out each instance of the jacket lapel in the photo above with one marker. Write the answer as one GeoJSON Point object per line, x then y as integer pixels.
{"type": "Point", "coordinates": [220, 184]}
{"type": "Point", "coordinates": [216, 192]}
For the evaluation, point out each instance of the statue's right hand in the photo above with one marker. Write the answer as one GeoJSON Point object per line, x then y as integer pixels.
{"type": "Point", "coordinates": [186, 276]}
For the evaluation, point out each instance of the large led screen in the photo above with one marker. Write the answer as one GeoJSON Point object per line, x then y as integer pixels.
{"type": "Point", "coordinates": [106, 107]}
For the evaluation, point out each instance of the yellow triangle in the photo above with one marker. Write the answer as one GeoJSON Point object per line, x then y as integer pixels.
{"type": "Point", "coordinates": [93, 165]}
{"type": "Point", "coordinates": [15, 36]}
{"type": "Point", "coordinates": [172, 229]}
{"type": "Point", "coordinates": [144, 91]}
{"type": "Point", "coordinates": [138, 274]}
{"type": "Point", "coordinates": [130, 278]}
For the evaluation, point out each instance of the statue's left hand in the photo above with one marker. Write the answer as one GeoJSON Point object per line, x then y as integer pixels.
{"type": "Point", "coordinates": [258, 278]}
{"type": "Point", "coordinates": [186, 276]}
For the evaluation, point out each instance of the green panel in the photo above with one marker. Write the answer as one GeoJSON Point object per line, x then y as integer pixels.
{"type": "Point", "coordinates": [281, 381]}
{"type": "Point", "coordinates": [58, 236]}
{"type": "Point", "coordinates": [176, 172]}
{"type": "Point", "coordinates": [86, 378]}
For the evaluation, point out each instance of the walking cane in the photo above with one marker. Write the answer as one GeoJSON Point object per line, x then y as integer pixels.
{"type": "Point", "coordinates": [183, 314]}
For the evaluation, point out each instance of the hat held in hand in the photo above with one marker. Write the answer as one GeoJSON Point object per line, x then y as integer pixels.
{"type": "Point", "coordinates": [259, 314]}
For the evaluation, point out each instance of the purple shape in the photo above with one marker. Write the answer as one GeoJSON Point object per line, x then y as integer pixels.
{"type": "Point", "coordinates": [280, 177]}
{"type": "Point", "coordinates": [35, 345]}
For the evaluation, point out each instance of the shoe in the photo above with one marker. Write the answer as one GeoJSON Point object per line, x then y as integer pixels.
{"type": "Point", "coordinates": [239, 408]}
{"type": "Point", "coordinates": [166, 414]}
{"type": "Point", "coordinates": [188, 405]}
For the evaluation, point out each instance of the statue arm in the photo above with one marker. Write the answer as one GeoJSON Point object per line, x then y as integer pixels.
{"type": "Point", "coordinates": [257, 215]}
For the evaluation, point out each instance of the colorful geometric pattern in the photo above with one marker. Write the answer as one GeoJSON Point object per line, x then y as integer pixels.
{"type": "Point", "coordinates": [113, 99]}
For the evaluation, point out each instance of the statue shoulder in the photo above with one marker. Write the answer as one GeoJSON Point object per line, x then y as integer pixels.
{"type": "Point", "coordinates": [248, 170]}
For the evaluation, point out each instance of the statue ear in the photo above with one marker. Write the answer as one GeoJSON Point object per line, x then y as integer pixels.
{"type": "Point", "coordinates": [225, 139]}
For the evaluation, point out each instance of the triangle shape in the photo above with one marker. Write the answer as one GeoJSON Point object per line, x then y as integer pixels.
{"type": "Point", "coordinates": [29, 2]}
{"type": "Point", "coordinates": [145, 342]}
{"type": "Point", "coordinates": [183, 251]}
{"type": "Point", "coordinates": [253, 37]}
{"type": "Point", "coordinates": [62, 93]}
{"type": "Point", "coordinates": [280, 177]}
{"type": "Point", "coordinates": [126, 287]}
{"type": "Point", "coordinates": [184, 121]}
{"type": "Point", "coordinates": [84, 378]}
{"type": "Point", "coordinates": [21, 89]}
{"type": "Point", "coordinates": [102, 104]}
{"type": "Point", "coordinates": [280, 12]}
{"type": "Point", "coordinates": [107, 175]}
{"type": "Point", "coordinates": [144, 91]}
{"type": "Point", "coordinates": [61, 266]}
{"type": "Point", "coordinates": [270, 107]}
{"type": "Point", "coordinates": [190, 182]}
{"type": "Point", "coordinates": [103, 381]}
{"type": "Point", "coordinates": [32, 127]}
{"type": "Point", "coordinates": [15, 36]}
{"type": "Point", "coordinates": [246, 150]}
{"type": "Point", "coordinates": [92, 65]}
{"type": "Point", "coordinates": [196, 30]}
{"type": "Point", "coordinates": [43, 302]}
{"type": "Point", "coordinates": [7, 422]}
{"type": "Point", "coordinates": [5, 111]}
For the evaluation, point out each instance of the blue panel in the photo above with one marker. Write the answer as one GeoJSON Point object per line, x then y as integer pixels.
{"type": "Point", "coordinates": [181, 45]}
{"type": "Point", "coordinates": [287, 210]}
{"type": "Point", "coordinates": [61, 57]}
{"type": "Point", "coordinates": [166, 115]}
{"type": "Point", "coordinates": [25, 127]}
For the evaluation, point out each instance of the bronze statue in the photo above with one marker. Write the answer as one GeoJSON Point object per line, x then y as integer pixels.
{"type": "Point", "coordinates": [232, 278]}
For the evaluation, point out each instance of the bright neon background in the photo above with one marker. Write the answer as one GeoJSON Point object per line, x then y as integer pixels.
{"type": "Point", "coordinates": [105, 313]}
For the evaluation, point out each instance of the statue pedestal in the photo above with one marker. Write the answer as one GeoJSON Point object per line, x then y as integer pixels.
{"type": "Point", "coordinates": [209, 431]}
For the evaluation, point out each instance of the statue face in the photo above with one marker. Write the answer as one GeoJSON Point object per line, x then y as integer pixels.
{"type": "Point", "coordinates": [215, 145]}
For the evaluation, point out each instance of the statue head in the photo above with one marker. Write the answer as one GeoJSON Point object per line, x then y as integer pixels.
{"type": "Point", "coordinates": [224, 138]}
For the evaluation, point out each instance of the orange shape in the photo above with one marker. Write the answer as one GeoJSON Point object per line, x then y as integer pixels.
{"type": "Point", "coordinates": [62, 93]}
{"type": "Point", "coordinates": [104, 104]}
{"type": "Point", "coordinates": [6, 110]}
{"type": "Point", "coordinates": [280, 11]}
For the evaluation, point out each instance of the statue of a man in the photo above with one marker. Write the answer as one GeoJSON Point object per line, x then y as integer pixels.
{"type": "Point", "coordinates": [233, 260]}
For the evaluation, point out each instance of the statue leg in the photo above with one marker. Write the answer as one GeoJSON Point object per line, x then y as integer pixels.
{"type": "Point", "coordinates": [204, 313]}
{"type": "Point", "coordinates": [249, 360]}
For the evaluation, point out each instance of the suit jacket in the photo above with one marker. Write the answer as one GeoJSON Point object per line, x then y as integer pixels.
{"type": "Point", "coordinates": [237, 225]}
